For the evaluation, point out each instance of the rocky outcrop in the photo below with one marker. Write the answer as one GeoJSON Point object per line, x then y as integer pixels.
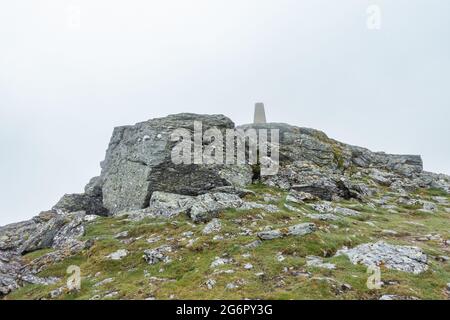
{"type": "Point", "coordinates": [91, 204]}
{"type": "Point", "coordinates": [200, 208]}
{"type": "Point", "coordinates": [313, 146]}
{"type": "Point", "coordinates": [139, 179]}
{"type": "Point", "coordinates": [138, 162]}
{"type": "Point", "coordinates": [47, 230]}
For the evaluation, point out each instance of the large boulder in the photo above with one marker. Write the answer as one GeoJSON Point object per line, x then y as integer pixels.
{"type": "Point", "coordinates": [91, 204]}
{"type": "Point", "coordinates": [138, 162]}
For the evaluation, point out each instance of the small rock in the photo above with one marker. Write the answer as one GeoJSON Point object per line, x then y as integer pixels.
{"type": "Point", "coordinates": [346, 212]}
{"type": "Point", "coordinates": [56, 293]}
{"type": "Point", "coordinates": [210, 283]}
{"type": "Point", "coordinates": [296, 230]}
{"type": "Point", "coordinates": [213, 226]}
{"type": "Point", "coordinates": [396, 297]}
{"type": "Point", "coordinates": [299, 196]}
{"type": "Point", "coordinates": [253, 245]}
{"type": "Point", "coordinates": [231, 286]}
{"type": "Point", "coordinates": [280, 257]}
{"type": "Point", "coordinates": [156, 255]}
{"type": "Point", "coordinates": [220, 261]}
{"type": "Point", "coordinates": [111, 295]}
{"type": "Point", "coordinates": [103, 282]}
{"type": "Point", "coordinates": [389, 232]}
{"type": "Point", "coordinates": [442, 258]}
{"type": "Point", "coordinates": [313, 261]}
{"type": "Point", "coordinates": [187, 234]}
{"type": "Point", "coordinates": [118, 255]}
{"type": "Point", "coordinates": [121, 235]}
{"type": "Point", "coordinates": [248, 266]}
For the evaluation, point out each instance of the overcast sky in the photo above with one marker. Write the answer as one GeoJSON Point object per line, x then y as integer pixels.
{"type": "Point", "coordinates": [72, 70]}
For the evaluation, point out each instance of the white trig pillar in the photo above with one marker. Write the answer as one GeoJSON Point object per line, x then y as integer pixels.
{"type": "Point", "coordinates": [260, 113]}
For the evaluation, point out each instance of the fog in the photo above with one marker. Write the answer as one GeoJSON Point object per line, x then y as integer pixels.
{"type": "Point", "coordinates": [72, 70]}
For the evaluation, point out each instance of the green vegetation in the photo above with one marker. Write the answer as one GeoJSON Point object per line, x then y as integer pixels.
{"type": "Point", "coordinates": [279, 266]}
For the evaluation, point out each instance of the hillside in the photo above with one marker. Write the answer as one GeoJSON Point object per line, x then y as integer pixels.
{"type": "Point", "coordinates": [321, 228]}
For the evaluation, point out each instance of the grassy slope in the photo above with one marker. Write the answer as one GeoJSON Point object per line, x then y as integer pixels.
{"type": "Point", "coordinates": [185, 276]}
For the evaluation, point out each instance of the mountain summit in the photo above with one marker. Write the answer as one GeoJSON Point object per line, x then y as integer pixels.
{"type": "Point", "coordinates": [149, 227]}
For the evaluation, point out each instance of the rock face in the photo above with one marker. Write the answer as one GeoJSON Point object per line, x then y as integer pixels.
{"type": "Point", "coordinates": [139, 179]}
{"type": "Point", "coordinates": [91, 204]}
{"type": "Point", "coordinates": [200, 208]}
{"type": "Point", "coordinates": [138, 162]}
{"type": "Point", "coordinates": [402, 258]}
{"type": "Point", "coordinates": [48, 230]}
{"type": "Point", "coordinates": [313, 163]}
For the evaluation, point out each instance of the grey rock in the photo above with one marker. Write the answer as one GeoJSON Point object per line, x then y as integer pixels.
{"type": "Point", "coordinates": [14, 273]}
{"type": "Point", "coordinates": [103, 282]}
{"type": "Point", "coordinates": [46, 230]}
{"type": "Point", "coordinates": [397, 297]}
{"type": "Point", "coordinates": [441, 200]}
{"type": "Point", "coordinates": [220, 261]}
{"type": "Point", "coordinates": [56, 293]}
{"type": "Point", "coordinates": [81, 202]}
{"type": "Point", "coordinates": [153, 256]}
{"type": "Point", "coordinates": [429, 206]}
{"type": "Point", "coordinates": [201, 208]}
{"type": "Point", "coordinates": [323, 207]}
{"type": "Point", "coordinates": [138, 162]}
{"type": "Point", "coordinates": [299, 197]}
{"type": "Point", "coordinates": [301, 229]}
{"type": "Point", "coordinates": [402, 258]}
{"type": "Point", "coordinates": [122, 235]}
{"type": "Point", "coordinates": [69, 235]}
{"type": "Point", "coordinates": [213, 226]}
{"type": "Point", "coordinates": [323, 216]}
{"type": "Point", "coordinates": [170, 204]}
{"type": "Point", "coordinates": [381, 177]}
{"type": "Point", "coordinates": [346, 212]}
{"type": "Point", "coordinates": [118, 255]}
{"type": "Point", "coordinates": [210, 283]}
{"type": "Point", "coordinates": [253, 244]}
{"type": "Point", "coordinates": [270, 234]}
{"type": "Point", "coordinates": [313, 261]}
{"type": "Point", "coordinates": [296, 230]}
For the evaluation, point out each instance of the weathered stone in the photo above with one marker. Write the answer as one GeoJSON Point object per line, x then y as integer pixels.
{"type": "Point", "coordinates": [299, 197]}
{"type": "Point", "coordinates": [296, 230]}
{"type": "Point", "coordinates": [81, 202]}
{"type": "Point", "coordinates": [323, 216]}
{"type": "Point", "coordinates": [138, 162]}
{"type": "Point", "coordinates": [118, 255]}
{"type": "Point", "coordinates": [156, 255]}
{"type": "Point", "coordinates": [397, 297]}
{"type": "Point", "coordinates": [212, 227]}
{"type": "Point", "coordinates": [402, 258]}
{"type": "Point", "coordinates": [313, 261]}
{"type": "Point", "coordinates": [220, 261]}
{"type": "Point", "coordinates": [346, 212]}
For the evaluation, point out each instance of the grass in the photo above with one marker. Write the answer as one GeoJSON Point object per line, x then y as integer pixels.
{"type": "Point", "coordinates": [270, 278]}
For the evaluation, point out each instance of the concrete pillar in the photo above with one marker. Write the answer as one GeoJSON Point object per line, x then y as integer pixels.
{"type": "Point", "coordinates": [260, 114]}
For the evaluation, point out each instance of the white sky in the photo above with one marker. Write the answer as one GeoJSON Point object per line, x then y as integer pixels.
{"type": "Point", "coordinates": [314, 63]}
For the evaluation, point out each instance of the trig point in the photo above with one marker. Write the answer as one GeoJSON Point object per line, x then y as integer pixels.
{"type": "Point", "coordinates": [260, 114]}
